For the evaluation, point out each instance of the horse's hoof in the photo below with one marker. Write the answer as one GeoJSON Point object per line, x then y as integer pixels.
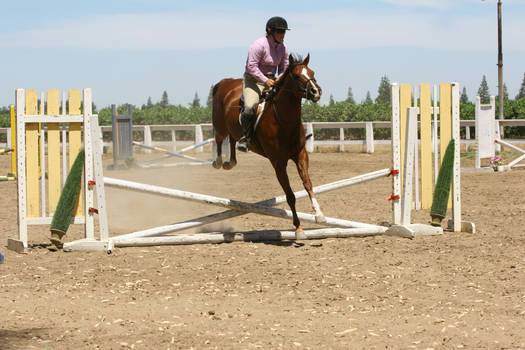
{"type": "Point", "coordinates": [299, 234]}
{"type": "Point", "coordinates": [228, 165]}
{"type": "Point", "coordinates": [216, 165]}
{"type": "Point", "coordinates": [320, 219]}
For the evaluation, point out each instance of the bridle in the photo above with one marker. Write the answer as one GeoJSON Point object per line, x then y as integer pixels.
{"type": "Point", "coordinates": [303, 87]}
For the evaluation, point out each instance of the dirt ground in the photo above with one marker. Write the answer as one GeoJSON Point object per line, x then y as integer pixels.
{"type": "Point", "coordinates": [458, 290]}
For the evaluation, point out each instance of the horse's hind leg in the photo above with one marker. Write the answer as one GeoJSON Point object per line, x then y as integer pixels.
{"type": "Point", "coordinates": [233, 158]}
{"type": "Point", "coordinates": [282, 176]}
{"type": "Point", "coordinates": [301, 161]}
{"type": "Point", "coordinates": [217, 163]}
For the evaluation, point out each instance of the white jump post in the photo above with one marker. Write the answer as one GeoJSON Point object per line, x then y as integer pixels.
{"type": "Point", "coordinates": [147, 138]}
{"type": "Point", "coordinates": [408, 174]}
{"type": "Point", "coordinates": [369, 137]}
{"type": "Point", "coordinates": [198, 137]}
{"type": "Point", "coordinates": [405, 111]}
{"type": "Point", "coordinates": [486, 128]}
{"type": "Point", "coordinates": [30, 211]}
{"type": "Point", "coordinates": [173, 141]}
{"type": "Point", "coordinates": [488, 136]}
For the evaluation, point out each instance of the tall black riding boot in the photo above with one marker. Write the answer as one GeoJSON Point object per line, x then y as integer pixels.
{"type": "Point", "coordinates": [247, 121]}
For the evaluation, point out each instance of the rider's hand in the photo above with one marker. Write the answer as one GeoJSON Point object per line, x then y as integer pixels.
{"type": "Point", "coordinates": [269, 83]}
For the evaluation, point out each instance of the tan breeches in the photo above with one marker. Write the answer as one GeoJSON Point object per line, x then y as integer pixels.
{"type": "Point", "coordinates": [252, 91]}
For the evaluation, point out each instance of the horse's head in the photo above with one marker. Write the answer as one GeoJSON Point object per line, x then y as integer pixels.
{"type": "Point", "coordinates": [304, 78]}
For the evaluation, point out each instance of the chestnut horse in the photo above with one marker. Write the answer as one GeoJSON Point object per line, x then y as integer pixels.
{"type": "Point", "coordinates": [279, 135]}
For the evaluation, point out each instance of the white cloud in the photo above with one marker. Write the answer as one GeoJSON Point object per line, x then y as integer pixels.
{"type": "Point", "coordinates": [137, 32]}
{"type": "Point", "coordinates": [435, 4]}
{"type": "Point", "coordinates": [320, 30]}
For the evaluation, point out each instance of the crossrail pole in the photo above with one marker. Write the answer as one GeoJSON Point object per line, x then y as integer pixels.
{"type": "Point", "coordinates": [269, 202]}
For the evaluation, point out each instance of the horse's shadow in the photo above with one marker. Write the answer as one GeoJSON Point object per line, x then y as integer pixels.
{"type": "Point", "coordinates": [271, 237]}
{"type": "Point", "coordinates": [12, 339]}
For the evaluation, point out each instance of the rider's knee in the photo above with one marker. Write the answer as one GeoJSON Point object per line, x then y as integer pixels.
{"type": "Point", "coordinates": [250, 110]}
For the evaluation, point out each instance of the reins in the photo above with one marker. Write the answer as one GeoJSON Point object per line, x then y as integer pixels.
{"type": "Point", "coordinates": [276, 88]}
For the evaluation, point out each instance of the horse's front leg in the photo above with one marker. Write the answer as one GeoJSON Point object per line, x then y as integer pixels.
{"type": "Point", "coordinates": [301, 161]}
{"type": "Point", "coordinates": [282, 176]}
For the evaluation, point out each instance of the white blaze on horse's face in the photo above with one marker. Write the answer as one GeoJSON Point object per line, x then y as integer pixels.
{"type": "Point", "coordinates": [310, 83]}
{"type": "Point", "coordinates": [304, 72]}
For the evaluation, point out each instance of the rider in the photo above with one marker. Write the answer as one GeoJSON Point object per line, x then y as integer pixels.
{"type": "Point", "coordinates": [265, 56]}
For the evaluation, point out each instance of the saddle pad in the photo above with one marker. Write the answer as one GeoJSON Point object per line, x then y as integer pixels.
{"type": "Point", "coordinates": [260, 110]}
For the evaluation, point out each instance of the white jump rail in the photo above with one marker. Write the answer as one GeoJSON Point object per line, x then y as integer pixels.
{"type": "Point", "coordinates": [514, 163]}
{"type": "Point", "coordinates": [151, 236]}
{"type": "Point", "coordinates": [152, 163]}
{"type": "Point", "coordinates": [158, 235]}
{"type": "Point", "coordinates": [269, 202]}
{"type": "Point", "coordinates": [257, 236]}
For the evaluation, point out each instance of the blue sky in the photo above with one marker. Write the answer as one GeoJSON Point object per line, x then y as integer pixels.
{"type": "Point", "coordinates": [128, 50]}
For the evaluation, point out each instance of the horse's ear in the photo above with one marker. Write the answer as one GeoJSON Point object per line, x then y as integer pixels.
{"type": "Point", "coordinates": [291, 60]}
{"type": "Point", "coordinates": [307, 59]}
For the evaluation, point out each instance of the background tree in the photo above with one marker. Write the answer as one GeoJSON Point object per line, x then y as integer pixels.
{"type": "Point", "coordinates": [164, 100]}
{"type": "Point", "coordinates": [350, 96]}
{"type": "Point", "coordinates": [483, 91]}
{"type": "Point", "coordinates": [196, 101]}
{"type": "Point", "coordinates": [209, 101]}
{"type": "Point", "coordinates": [149, 104]}
{"type": "Point", "coordinates": [521, 93]}
{"type": "Point", "coordinates": [331, 102]}
{"type": "Point", "coordinates": [368, 99]}
{"type": "Point", "coordinates": [505, 92]}
{"type": "Point", "coordinates": [384, 90]}
{"type": "Point", "coordinates": [464, 97]}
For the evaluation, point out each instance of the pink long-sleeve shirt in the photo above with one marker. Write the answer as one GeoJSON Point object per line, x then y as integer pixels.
{"type": "Point", "coordinates": [264, 58]}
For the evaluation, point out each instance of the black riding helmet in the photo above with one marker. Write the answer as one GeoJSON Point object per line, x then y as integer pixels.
{"type": "Point", "coordinates": [276, 23]}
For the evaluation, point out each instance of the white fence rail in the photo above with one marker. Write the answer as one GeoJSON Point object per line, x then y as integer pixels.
{"type": "Point", "coordinates": [312, 144]}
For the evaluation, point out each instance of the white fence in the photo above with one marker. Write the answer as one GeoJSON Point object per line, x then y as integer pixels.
{"type": "Point", "coordinates": [313, 143]}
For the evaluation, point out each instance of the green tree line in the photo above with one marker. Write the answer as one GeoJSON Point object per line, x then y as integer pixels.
{"type": "Point", "coordinates": [335, 111]}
